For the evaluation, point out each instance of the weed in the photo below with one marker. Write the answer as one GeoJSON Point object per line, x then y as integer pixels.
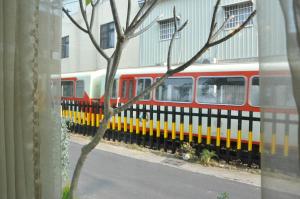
{"type": "Point", "coordinates": [223, 196]}
{"type": "Point", "coordinates": [206, 156]}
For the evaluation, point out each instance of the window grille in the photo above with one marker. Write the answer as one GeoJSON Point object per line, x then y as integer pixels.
{"type": "Point", "coordinates": [167, 29]}
{"type": "Point", "coordinates": [237, 14]}
{"type": "Point", "coordinates": [65, 47]}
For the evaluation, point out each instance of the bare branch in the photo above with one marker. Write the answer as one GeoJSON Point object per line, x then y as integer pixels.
{"type": "Point", "coordinates": [89, 32]}
{"type": "Point", "coordinates": [92, 17]}
{"type": "Point", "coordinates": [143, 30]}
{"type": "Point", "coordinates": [213, 21]}
{"type": "Point", "coordinates": [73, 20]}
{"type": "Point", "coordinates": [139, 21]}
{"type": "Point", "coordinates": [141, 10]}
{"type": "Point", "coordinates": [128, 13]}
{"type": "Point", "coordinates": [235, 30]}
{"type": "Point", "coordinates": [116, 18]}
{"type": "Point", "coordinates": [176, 31]}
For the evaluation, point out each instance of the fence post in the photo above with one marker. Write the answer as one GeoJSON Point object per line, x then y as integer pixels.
{"type": "Point", "coordinates": [239, 136]}
{"type": "Point", "coordinates": [250, 138]}
{"type": "Point", "coordinates": [228, 136]}
{"type": "Point", "coordinates": [208, 134]}
{"type": "Point", "coordinates": [125, 126]}
{"type": "Point", "coordinates": [119, 125]}
{"type": "Point", "coordinates": [199, 131]}
{"type": "Point", "coordinates": [190, 125]}
{"type": "Point", "coordinates": [137, 125]}
{"type": "Point", "coordinates": [151, 127]}
{"type": "Point", "coordinates": [165, 128]}
{"type": "Point", "coordinates": [218, 140]}
{"type": "Point", "coordinates": [158, 128]}
{"type": "Point", "coordinates": [144, 125]}
{"type": "Point", "coordinates": [173, 129]}
{"type": "Point", "coordinates": [131, 124]}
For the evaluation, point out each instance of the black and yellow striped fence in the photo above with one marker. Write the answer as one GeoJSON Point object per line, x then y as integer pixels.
{"type": "Point", "coordinates": [156, 127]}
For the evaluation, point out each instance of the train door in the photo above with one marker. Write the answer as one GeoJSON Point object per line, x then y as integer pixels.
{"type": "Point", "coordinates": [127, 89]}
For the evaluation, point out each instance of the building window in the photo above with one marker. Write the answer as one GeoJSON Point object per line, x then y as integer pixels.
{"type": "Point", "coordinates": [175, 90]}
{"type": "Point", "coordinates": [107, 35]}
{"type": "Point", "coordinates": [143, 84]}
{"type": "Point", "coordinates": [221, 90]}
{"type": "Point", "coordinates": [65, 47]}
{"type": "Point", "coordinates": [237, 14]}
{"type": "Point", "coordinates": [166, 29]}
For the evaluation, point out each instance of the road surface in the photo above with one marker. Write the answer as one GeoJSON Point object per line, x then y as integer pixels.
{"type": "Point", "coordinates": [110, 176]}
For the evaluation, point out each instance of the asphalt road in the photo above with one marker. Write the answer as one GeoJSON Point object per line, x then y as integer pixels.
{"type": "Point", "coordinates": [111, 176]}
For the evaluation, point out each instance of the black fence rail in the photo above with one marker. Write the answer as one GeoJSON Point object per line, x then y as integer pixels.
{"type": "Point", "coordinates": [151, 130]}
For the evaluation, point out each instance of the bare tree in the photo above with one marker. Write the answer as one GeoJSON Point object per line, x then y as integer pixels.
{"type": "Point", "coordinates": [133, 28]}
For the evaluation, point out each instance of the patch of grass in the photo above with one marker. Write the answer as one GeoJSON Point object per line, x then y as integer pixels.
{"type": "Point", "coordinates": [223, 196]}
{"type": "Point", "coordinates": [206, 156]}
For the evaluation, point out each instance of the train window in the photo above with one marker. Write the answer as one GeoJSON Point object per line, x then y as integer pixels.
{"type": "Point", "coordinates": [79, 88]}
{"type": "Point", "coordinates": [142, 84]}
{"type": "Point", "coordinates": [67, 88]}
{"type": "Point", "coordinates": [124, 89]}
{"type": "Point", "coordinates": [254, 91]}
{"type": "Point", "coordinates": [221, 90]}
{"type": "Point", "coordinates": [130, 90]}
{"type": "Point", "coordinates": [175, 90]}
{"type": "Point", "coordinates": [115, 89]}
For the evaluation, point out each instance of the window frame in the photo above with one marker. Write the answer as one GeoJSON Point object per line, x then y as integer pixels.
{"type": "Point", "coordinates": [136, 88]}
{"type": "Point", "coordinates": [250, 23]}
{"type": "Point", "coordinates": [250, 90]}
{"type": "Point", "coordinates": [214, 104]}
{"type": "Point", "coordinates": [107, 25]}
{"type": "Point", "coordinates": [74, 94]}
{"type": "Point", "coordinates": [168, 20]}
{"type": "Point", "coordinates": [178, 77]}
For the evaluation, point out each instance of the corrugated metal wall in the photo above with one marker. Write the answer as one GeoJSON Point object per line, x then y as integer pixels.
{"type": "Point", "coordinates": [198, 12]}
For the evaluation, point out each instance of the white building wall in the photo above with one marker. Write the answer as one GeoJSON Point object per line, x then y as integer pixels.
{"type": "Point", "coordinates": [82, 54]}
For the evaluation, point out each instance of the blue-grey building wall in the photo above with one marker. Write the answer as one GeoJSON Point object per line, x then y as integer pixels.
{"type": "Point", "coordinates": [153, 51]}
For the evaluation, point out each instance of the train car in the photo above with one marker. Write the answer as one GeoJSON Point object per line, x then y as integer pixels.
{"type": "Point", "coordinates": [211, 104]}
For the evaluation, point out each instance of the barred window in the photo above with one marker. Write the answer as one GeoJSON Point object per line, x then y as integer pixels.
{"type": "Point", "coordinates": [79, 88]}
{"type": "Point", "coordinates": [175, 90]}
{"type": "Point", "coordinates": [67, 88]}
{"type": "Point", "coordinates": [254, 91]}
{"type": "Point", "coordinates": [107, 35]}
{"type": "Point", "coordinates": [65, 47]}
{"type": "Point", "coordinates": [237, 14]}
{"type": "Point", "coordinates": [166, 29]}
{"type": "Point", "coordinates": [143, 84]}
{"type": "Point", "coordinates": [221, 90]}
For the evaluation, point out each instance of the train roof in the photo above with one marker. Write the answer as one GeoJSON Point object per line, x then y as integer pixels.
{"type": "Point", "coordinates": [162, 69]}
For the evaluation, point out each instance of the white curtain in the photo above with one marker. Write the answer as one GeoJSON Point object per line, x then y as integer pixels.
{"type": "Point", "coordinates": [29, 99]}
{"type": "Point", "coordinates": [280, 95]}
